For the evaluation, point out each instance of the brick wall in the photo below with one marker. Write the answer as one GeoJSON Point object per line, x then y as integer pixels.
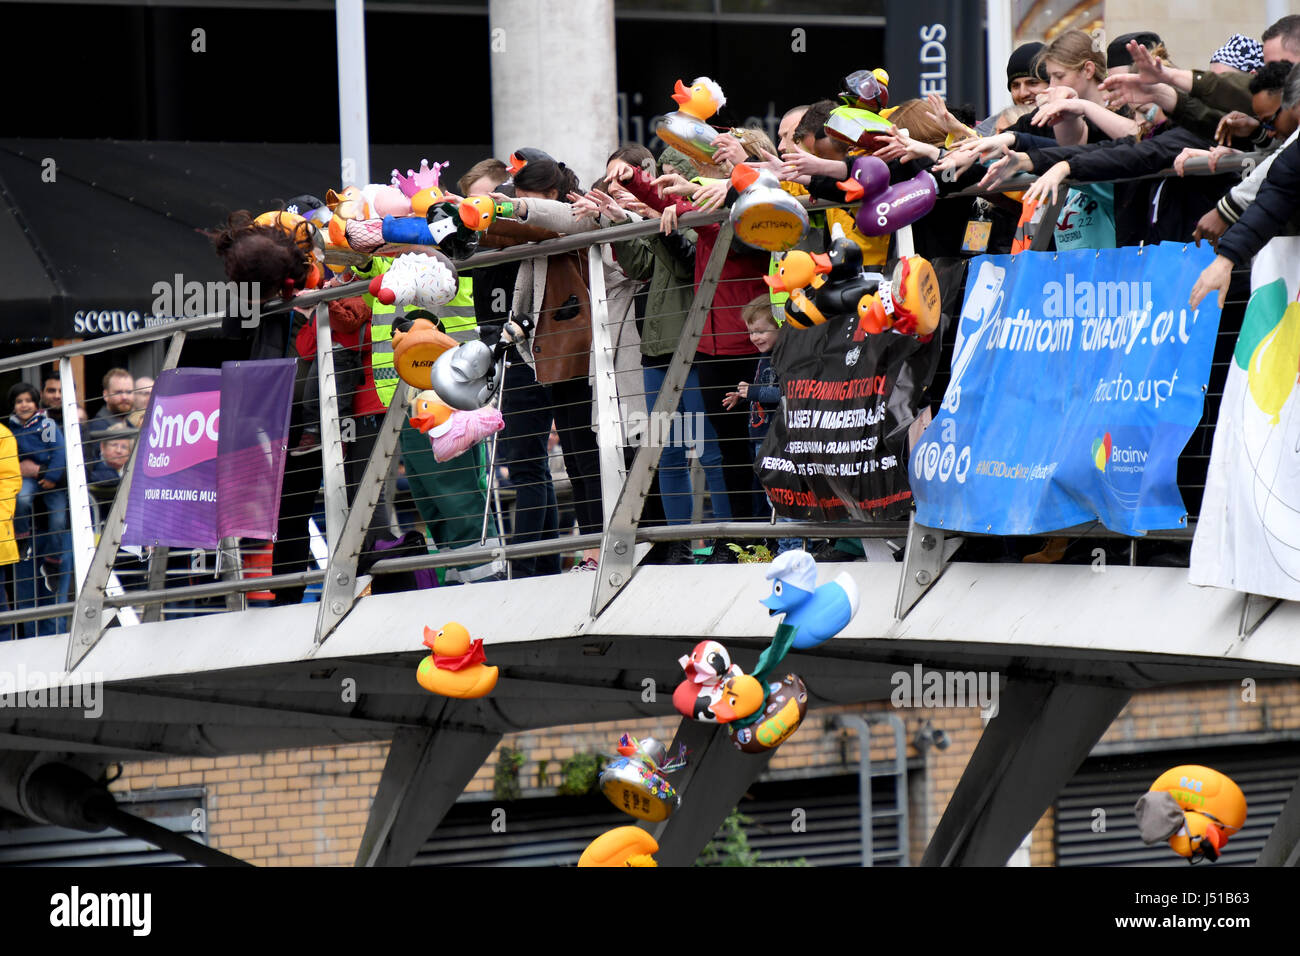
{"type": "Point", "coordinates": [309, 807]}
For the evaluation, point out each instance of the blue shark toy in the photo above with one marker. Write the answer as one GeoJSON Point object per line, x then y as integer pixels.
{"type": "Point", "coordinates": [818, 613]}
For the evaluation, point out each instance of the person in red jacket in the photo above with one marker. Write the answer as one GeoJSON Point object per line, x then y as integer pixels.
{"type": "Point", "coordinates": [725, 354]}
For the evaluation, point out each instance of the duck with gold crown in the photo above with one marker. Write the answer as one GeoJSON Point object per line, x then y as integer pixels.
{"type": "Point", "coordinates": [688, 130]}
{"type": "Point", "coordinates": [457, 666]}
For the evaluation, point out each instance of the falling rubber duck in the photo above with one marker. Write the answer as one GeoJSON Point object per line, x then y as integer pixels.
{"type": "Point", "coordinates": [636, 780]}
{"type": "Point", "coordinates": [452, 432]}
{"type": "Point", "coordinates": [708, 667]}
{"type": "Point", "coordinates": [688, 130]}
{"type": "Point", "coordinates": [1195, 808]}
{"type": "Point", "coordinates": [765, 216]}
{"type": "Point", "coordinates": [817, 613]}
{"type": "Point", "coordinates": [622, 846]}
{"type": "Point", "coordinates": [457, 666]}
{"type": "Point", "coordinates": [910, 304]}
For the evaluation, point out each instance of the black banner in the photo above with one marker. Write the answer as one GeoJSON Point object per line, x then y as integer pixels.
{"type": "Point", "coordinates": [936, 46]}
{"type": "Point", "coordinates": [838, 446]}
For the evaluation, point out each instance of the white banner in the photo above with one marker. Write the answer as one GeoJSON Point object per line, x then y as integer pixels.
{"type": "Point", "coordinates": [1248, 536]}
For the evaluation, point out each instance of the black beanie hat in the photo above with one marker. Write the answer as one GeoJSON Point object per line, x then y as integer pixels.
{"type": "Point", "coordinates": [1117, 53]}
{"type": "Point", "coordinates": [1021, 63]}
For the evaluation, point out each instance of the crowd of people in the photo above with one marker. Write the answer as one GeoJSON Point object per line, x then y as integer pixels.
{"type": "Point", "coordinates": [1086, 117]}
{"type": "Point", "coordinates": [35, 540]}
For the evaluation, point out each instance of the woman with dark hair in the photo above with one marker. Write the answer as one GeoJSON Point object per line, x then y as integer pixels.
{"type": "Point", "coordinates": [551, 382]}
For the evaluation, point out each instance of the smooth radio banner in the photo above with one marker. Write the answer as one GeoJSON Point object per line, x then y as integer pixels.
{"type": "Point", "coordinates": [1077, 378]}
{"type": "Point", "coordinates": [211, 458]}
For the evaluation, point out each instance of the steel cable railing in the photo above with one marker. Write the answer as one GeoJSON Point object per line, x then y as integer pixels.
{"type": "Point", "coordinates": [500, 501]}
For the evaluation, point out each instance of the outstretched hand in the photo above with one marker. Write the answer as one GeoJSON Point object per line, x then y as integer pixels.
{"type": "Point", "coordinates": [1216, 276]}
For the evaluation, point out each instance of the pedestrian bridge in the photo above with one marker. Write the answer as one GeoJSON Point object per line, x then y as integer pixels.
{"type": "Point", "coordinates": [1066, 645]}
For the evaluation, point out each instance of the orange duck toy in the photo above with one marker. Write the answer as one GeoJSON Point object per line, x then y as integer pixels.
{"type": "Point", "coordinates": [457, 666]}
{"type": "Point", "coordinates": [622, 846]}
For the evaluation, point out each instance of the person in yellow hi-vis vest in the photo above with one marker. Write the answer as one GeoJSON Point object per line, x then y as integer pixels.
{"type": "Point", "coordinates": [452, 495]}
{"type": "Point", "coordinates": [11, 480]}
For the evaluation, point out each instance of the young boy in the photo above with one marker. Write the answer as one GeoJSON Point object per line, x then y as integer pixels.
{"type": "Point", "coordinates": [764, 393]}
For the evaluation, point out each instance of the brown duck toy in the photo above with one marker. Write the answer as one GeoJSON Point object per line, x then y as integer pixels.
{"type": "Point", "coordinates": [417, 343]}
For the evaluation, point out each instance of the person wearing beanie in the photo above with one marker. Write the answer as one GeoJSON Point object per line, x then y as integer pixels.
{"type": "Point", "coordinates": [1026, 75]}
{"type": "Point", "coordinates": [1117, 53]}
{"type": "Point", "coordinates": [1242, 53]}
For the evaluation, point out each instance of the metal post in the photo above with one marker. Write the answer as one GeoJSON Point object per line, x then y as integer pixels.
{"type": "Point", "coordinates": [89, 618]}
{"type": "Point", "coordinates": [354, 127]}
{"type": "Point", "coordinates": [609, 433]}
{"type": "Point", "coordinates": [617, 556]}
{"type": "Point", "coordinates": [230, 564]}
{"type": "Point", "coordinates": [331, 437]}
{"type": "Point", "coordinates": [80, 520]}
{"type": "Point", "coordinates": [157, 582]}
{"type": "Point", "coordinates": [339, 590]}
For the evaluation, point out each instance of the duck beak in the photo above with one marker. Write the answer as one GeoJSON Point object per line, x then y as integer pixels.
{"type": "Point", "coordinates": [822, 263]}
{"type": "Point", "coordinates": [680, 93]}
{"type": "Point", "coordinates": [852, 190]}
{"type": "Point", "coordinates": [742, 177]}
{"type": "Point", "coordinates": [423, 423]}
{"type": "Point", "coordinates": [429, 637]}
{"type": "Point", "coordinates": [776, 281]}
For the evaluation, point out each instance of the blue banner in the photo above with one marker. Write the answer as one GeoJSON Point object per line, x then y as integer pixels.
{"type": "Point", "coordinates": [1077, 378]}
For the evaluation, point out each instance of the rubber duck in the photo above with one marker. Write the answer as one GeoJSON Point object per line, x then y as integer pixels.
{"type": "Point", "coordinates": [479, 212]}
{"type": "Point", "coordinates": [867, 90]}
{"type": "Point", "coordinates": [796, 272]}
{"type": "Point", "coordinates": [783, 712]}
{"type": "Point", "coordinates": [345, 206]}
{"type": "Point", "coordinates": [1195, 808]}
{"type": "Point", "coordinates": [688, 129]}
{"type": "Point", "coordinates": [417, 279]}
{"type": "Point", "coordinates": [817, 613]}
{"type": "Point", "coordinates": [765, 216]}
{"type": "Point", "coordinates": [417, 344]}
{"type": "Point", "coordinates": [708, 666]}
{"type": "Point", "coordinates": [622, 846]}
{"type": "Point", "coordinates": [741, 696]}
{"type": "Point", "coordinates": [824, 287]}
{"type": "Point", "coordinates": [387, 200]}
{"type": "Point", "coordinates": [635, 781]}
{"type": "Point", "coordinates": [910, 304]}
{"type": "Point", "coordinates": [421, 186]}
{"type": "Point", "coordinates": [457, 667]}
{"type": "Point", "coordinates": [452, 432]}
{"type": "Point", "coordinates": [888, 208]}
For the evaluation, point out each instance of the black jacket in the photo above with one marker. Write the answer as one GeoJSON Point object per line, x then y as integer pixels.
{"type": "Point", "coordinates": [1146, 210]}
{"type": "Point", "coordinates": [1275, 211]}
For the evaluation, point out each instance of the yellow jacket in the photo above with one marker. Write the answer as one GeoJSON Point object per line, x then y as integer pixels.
{"type": "Point", "coordinates": [11, 481]}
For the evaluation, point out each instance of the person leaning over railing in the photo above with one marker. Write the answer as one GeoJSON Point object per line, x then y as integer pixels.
{"type": "Point", "coordinates": [1275, 212]}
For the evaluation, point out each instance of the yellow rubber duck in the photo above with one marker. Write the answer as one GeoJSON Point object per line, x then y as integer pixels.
{"type": "Point", "coordinates": [457, 667]}
{"type": "Point", "coordinates": [687, 129]}
{"type": "Point", "coordinates": [622, 846]}
{"type": "Point", "coordinates": [428, 411]}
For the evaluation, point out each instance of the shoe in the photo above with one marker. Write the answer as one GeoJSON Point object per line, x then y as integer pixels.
{"type": "Point", "coordinates": [46, 577]}
{"type": "Point", "coordinates": [589, 564]}
{"type": "Point", "coordinates": [829, 554]}
{"type": "Point", "coordinates": [309, 443]}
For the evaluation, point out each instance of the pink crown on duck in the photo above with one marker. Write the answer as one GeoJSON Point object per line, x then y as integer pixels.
{"type": "Point", "coordinates": [426, 177]}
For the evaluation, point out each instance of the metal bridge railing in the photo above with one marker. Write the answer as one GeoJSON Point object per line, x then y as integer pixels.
{"type": "Point", "coordinates": [492, 512]}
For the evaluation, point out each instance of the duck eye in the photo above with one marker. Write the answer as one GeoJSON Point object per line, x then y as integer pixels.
{"type": "Point", "coordinates": [777, 589]}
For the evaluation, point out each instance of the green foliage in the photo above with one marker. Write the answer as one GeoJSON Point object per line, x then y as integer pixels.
{"type": "Point", "coordinates": [542, 766]}
{"type": "Point", "coordinates": [505, 780]}
{"type": "Point", "coordinates": [733, 848]}
{"type": "Point", "coordinates": [578, 774]}
{"type": "Point", "coordinates": [754, 554]}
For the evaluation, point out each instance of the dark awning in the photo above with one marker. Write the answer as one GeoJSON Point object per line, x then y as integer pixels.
{"type": "Point", "coordinates": [119, 217]}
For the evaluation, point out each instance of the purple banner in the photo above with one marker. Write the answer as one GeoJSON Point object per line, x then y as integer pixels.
{"type": "Point", "coordinates": [195, 482]}
{"type": "Point", "coordinates": [255, 404]}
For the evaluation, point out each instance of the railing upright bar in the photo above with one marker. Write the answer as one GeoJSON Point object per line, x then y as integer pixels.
{"type": "Point", "coordinates": [617, 550]}
{"type": "Point", "coordinates": [331, 434]}
{"type": "Point", "coordinates": [338, 592]}
{"type": "Point", "coordinates": [81, 522]}
{"type": "Point", "coordinates": [609, 434]}
{"type": "Point", "coordinates": [89, 619]}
